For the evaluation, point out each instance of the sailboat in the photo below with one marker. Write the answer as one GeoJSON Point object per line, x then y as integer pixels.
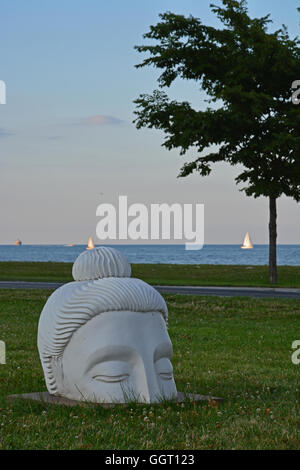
{"type": "Point", "coordinates": [247, 245]}
{"type": "Point", "coordinates": [90, 245]}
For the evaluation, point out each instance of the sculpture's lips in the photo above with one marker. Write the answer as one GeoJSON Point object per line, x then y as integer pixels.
{"type": "Point", "coordinates": [111, 378]}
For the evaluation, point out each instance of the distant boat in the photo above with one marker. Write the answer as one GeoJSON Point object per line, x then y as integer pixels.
{"type": "Point", "coordinates": [70, 244]}
{"type": "Point", "coordinates": [18, 242]}
{"type": "Point", "coordinates": [247, 245]}
{"type": "Point", "coordinates": [90, 244]}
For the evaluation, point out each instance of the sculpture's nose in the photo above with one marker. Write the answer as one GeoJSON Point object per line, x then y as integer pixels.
{"type": "Point", "coordinates": [151, 392]}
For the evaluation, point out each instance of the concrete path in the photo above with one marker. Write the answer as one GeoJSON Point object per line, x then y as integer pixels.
{"type": "Point", "coordinates": [232, 291]}
{"type": "Point", "coordinates": [279, 293]}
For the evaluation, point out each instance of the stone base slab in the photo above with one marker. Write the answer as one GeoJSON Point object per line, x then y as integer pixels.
{"type": "Point", "coordinates": [45, 397]}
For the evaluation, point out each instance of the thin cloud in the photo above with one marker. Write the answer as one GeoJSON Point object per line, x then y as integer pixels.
{"type": "Point", "coordinates": [100, 120]}
{"type": "Point", "coordinates": [54, 137]}
{"type": "Point", "coordinates": [5, 132]}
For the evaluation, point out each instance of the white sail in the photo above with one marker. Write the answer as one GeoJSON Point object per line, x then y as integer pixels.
{"type": "Point", "coordinates": [90, 244]}
{"type": "Point", "coordinates": [247, 245]}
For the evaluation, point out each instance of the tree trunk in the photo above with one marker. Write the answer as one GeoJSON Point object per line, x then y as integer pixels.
{"type": "Point", "coordinates": [272, 241]}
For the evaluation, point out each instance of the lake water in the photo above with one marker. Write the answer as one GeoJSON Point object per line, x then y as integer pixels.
{"type": "Point", "coordinates": [168, 254]}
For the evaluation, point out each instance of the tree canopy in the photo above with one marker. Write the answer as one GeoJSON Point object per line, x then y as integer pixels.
{"type": "Point", "coordinates": [247, 69]}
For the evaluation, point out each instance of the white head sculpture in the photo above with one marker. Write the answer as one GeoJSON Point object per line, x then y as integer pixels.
{"type": "Point", "coordinates": [103, 338]}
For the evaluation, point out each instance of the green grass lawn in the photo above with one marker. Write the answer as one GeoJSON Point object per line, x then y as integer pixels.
{"type": "Point", "coordinates": [235, 348]}
{"type": "Point", "coordinates": [163, 274]}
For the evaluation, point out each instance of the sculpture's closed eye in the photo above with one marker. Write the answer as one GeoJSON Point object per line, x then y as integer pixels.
{"type": "Point", "coordinates": [110, 371]}
{"type": "Point", "coordinates": [164, 368]}
{"type": "Point", "coordinates": [111, 378]}
{"type": "Point", "coordinates": [166, 375]}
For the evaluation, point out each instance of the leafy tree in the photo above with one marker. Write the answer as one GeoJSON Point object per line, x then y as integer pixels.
{"type": "Point", "coordinates": [251, 71]}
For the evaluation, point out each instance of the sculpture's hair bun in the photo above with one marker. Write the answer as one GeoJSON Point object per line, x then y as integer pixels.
{"type": "Point", "coordinates": [100, 263]}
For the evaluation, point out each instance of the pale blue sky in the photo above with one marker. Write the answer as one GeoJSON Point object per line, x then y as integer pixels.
{"type": "Point", "coordinates": [65, 62]}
